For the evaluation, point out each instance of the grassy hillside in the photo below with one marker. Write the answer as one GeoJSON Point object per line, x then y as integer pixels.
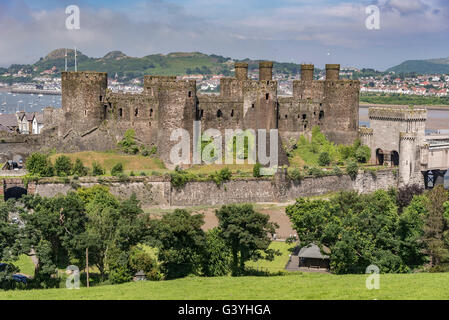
{"type": "Point", "coordinates": [177, 63]}
{"type": "Point", "coordinates": [294, 286]}
{"type": "Point", "coordinates": [436, 66]}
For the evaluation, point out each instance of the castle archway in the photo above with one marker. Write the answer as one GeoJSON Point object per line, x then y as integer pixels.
{"type": "Point", "coordinates": [14, 193]}
{"type": "Point", "coordinates": [394, 158]}
{"type": "Point", "coordinates": [379, 157]}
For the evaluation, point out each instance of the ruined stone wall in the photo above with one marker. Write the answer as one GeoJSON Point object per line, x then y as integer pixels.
{"type": "Point", "coordinates": [157, 191]}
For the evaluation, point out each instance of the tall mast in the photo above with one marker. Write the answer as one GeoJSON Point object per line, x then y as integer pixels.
{"type": "Point", "coordinates": [76, 67]}
{"type": "Point", "coordinates": [66, 59]}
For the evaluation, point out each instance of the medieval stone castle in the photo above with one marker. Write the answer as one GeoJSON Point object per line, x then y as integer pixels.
{"type": "Point", "coordinates": [92, 117]}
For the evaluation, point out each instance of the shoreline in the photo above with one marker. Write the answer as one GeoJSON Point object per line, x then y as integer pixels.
{"type": "Point", "coordinates": [428, 107]}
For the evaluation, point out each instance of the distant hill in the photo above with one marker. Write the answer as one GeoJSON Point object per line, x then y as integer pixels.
{"type": "Point", "coordinates": [431, 66]}
{"type": "Point", "coordinates": [176, 63]}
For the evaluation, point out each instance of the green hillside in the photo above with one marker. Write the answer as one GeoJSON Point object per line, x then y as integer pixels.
{"type": "Point", "coordinates": [434, 66]}
{"type": "Point", "coordinates": [177, 63]}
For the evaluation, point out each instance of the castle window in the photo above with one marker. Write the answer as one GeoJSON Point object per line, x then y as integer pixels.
{"type": "Point", "coordinates": [151, 113]}
{"type": "Point", "coordinates": [304, 116]}
{"type": "Point", "coordinates": [85, 112]}
{"type": "Point", "coordinates": [267, 96]}
{"type": "Point", "coordinates": [190, 94]}
{"type": "Point", "coordinates": [321, 104]}
{"type": "Point", "coordinates": [305, 127]}
{"type": "Point", "coordinates": [136, 112]}
{"type": "Point", "coordinates": [219, 114]}
{"type": "Point", "coordinates": [149, 124]}
{"type": "Point", "coordinates": [286, 116]}
{"type": "Point", "coordinates": [120, 112]}
{"type": "Point", "coordinates": [101, 98]}
{"type": "Point", "coordinates": [321, 116]}
{"type": "Point", "coordinates": [232, 113]}
{"type": "Point", "coordinates": [252, 106]}
{"type": "Point", "coordinates": [201, 113]}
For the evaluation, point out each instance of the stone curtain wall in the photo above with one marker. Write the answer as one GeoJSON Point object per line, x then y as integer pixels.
{"type": "Point", "coordinates": [157, 191]}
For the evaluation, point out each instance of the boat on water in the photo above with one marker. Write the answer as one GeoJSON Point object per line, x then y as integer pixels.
{"type": "Point", "coordinates": [40, 95]}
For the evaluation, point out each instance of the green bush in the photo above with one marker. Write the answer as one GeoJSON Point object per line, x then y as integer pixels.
{"type": "Point", "coordinates": [117, 169]}
{"type": "Point", "coordinates": [143, 174]}
{"type": "Point", "coordinates": [221, 176]}
{"type": "Point", "coordinates": [128, 143]}
{"type": "Point", "coordinates": [363, 154]}
{"type": "Point", "coordinates": [295, 174]}
{"type": "Point", "coordinates": [256, 170]}
{"type": "Point", "coordinates": [324, 159]}
{"type": "Point", "coordinates": [97, 170]}
{"type": "Point", "coordinates": [179, 177]}
{"type": "Point", "coordinates": [315, 172]}
{"type": "Point", "coordinates": [39, 164]}
{"type": "Point", "coordinates": [337, 171]}
{"type": "Point", "coordinates": [352, 169]}
{"type": "Point", "coordinates": [79, 169]}
{"type": "Point", "coordinates": [132, 174]}
{"type": "Point", "coordinates": [63, 166]}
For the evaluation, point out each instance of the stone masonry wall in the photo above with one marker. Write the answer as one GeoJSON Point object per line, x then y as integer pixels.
{"type": "Point", "coordinates": [157, 191]}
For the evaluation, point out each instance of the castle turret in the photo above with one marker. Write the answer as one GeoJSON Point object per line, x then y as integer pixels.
{"type": "Point", "coordinates": [177, 110]}
{"type": "Point", "coordinates": [241, 70]}
{"type": "Point", "coordinates": [83, 96]}
{"type": "Point", "coordinates": [265, 70]}
{"type": "Point", "coordinates": [332, 71]}
{"type": "Point", "coordinates": [307, 72]}
{"type": "Point", "coordinates": [408, 163]}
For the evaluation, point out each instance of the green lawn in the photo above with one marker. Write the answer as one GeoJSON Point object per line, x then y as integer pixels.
{"type": "Point", "coordinates": [279, 262]}
{"type": "Point", "coordinates": [290, 287]}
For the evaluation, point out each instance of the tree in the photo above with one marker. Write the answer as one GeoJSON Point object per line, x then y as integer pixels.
{"type": "Point", "coordinates": [324, 159]}
{"type": "Point", "coordinates": [218, 256]}
{"type": "Point", "coordinates": [63, 166]}
{"type": "Point", "coordinates": [53, 228]}
{"type": "Point", "coordinates": [352, 169]}
{"type": "Point", "coordinates": [39, 164]}
{"type": "Point", "coordinates": [246, 232]}
{"type": "Point", "coordinates": [113, 228]}
{"type": "Point", "coordinates": [79, 168]}
{"type": "Point", "coordinates": [97, 169]}
{"type": "Point", "coordinates": [360, 230]}
{"type": "Point", "coordinates": [436, 226]}
{"type": "Point", "coordinates": [181, 243]}
{"type": "Point", "coordinates": [117, 169]}
{"type": "Point", "coordinates": [256, 170]}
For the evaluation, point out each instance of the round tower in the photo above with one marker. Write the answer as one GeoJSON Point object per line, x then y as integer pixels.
{"type": "Point", "coordinates": [307, 72]}
{"type": "Point", "coordinates": [332, 71]}
{"type": "Point", "coordinates": [241, 70]}
{"type": "Point", "coordinates": [407, 157]}
{"type": "Point", "coordinates": [83, 96]}
{"type": "Point", "coordinates": [265, 70]}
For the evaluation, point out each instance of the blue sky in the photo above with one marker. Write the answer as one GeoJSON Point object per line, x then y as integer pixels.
{"type": "Point", "coordinates": [315, 31]}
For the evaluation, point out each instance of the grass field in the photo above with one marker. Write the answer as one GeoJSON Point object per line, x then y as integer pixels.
{"type": "Point", "coordinates": [108, 160]}
{"type": "Point", "coordinates": [279, 262]}
{"type": "Point", "coordinates": [289, 287]}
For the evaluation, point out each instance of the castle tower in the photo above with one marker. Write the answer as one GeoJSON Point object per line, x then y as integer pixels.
{"type": "Point", "coordinates": [82, 101]}
{"type": "Point", "coordinates": [241, 70]}
{"type": "Point", "coordinates": [408, 164]}
{"type": "Point", "coordinates": [341, 107]}
{"type": "Point", "coordinates": [265, 70]}
{"type": "Point", "coordinates": [332, 71]}
{"type": "Point", "coordinates": [177, 110]}
{"type": "Point", "coordinates": [307, 72]}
